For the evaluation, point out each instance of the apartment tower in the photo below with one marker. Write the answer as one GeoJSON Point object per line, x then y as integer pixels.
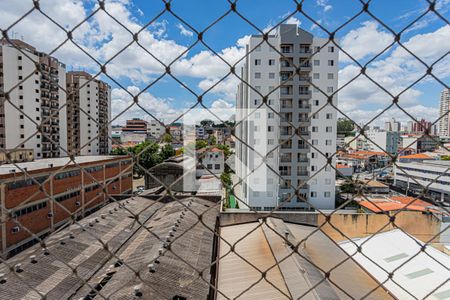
{"type": "Point", "coordinates": [88, 114]}
{"type": "Point", "coordinates": [37, 100]}
{"type": "Point", "coordinates": [444, 105]}
{"type": "Point", "coordinates": [285, 122]}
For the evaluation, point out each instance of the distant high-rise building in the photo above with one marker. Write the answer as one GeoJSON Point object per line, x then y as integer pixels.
{"type": "Point", "coordinates": [444, 121]}
{"type": "Point", "coordinates": [392, 125]}
{"type": "Point", "coordinates": [38, 100]}
{"type": "Point", "coordinates": [305, 59]}
{"type": "Point", "coordinates": [409, 126]}
{"type": "Point", "coordinates": [88, 114]}
{"type": "Point", "coordinates": [421, 126]}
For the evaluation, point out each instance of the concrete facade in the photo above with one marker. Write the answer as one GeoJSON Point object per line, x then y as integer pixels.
{"type": "Point", "coordinates": [295, 100]}
{"type": "Point", "coordinates": [444, 106]}
{"type": "Point", "coordinates": [28, 208]}
{"type": "Point", "coordinates": [38, 98]}
{"type": "Point", "coordinates": [89, 113]}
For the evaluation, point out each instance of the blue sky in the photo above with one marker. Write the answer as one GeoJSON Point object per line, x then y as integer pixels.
{"type": "Point", "coordinates": [167, 37]}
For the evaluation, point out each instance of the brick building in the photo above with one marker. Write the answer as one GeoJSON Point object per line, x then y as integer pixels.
{"type": "Point", "coordinates": [27, 209]}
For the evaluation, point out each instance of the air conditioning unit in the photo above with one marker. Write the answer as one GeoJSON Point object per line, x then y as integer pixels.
{"type": "Point", "coordinates": [15, 229]}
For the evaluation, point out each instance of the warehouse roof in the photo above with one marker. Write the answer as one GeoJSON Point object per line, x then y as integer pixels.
{"type": "Point", "coordinates": [48, 163]}
{"type": "Point", "coordinates": [417, 274]}
{"type": "Point", "coordinates": [131, 248]}
{"type": "Point", "coordinates": [288, 276]}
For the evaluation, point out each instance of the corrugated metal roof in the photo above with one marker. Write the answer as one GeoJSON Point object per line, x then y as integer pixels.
{"type": "Point", "coordinates": [128, 241]}
{"type": "Point", "coordinates": [416, 273]}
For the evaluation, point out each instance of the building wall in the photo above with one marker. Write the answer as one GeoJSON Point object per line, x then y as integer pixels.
{"type": "Point", "coordinates": [39, 99]}
{"type": "Point", "coordinates": [295, 101]}
{"type": "Point", "coordinates": [213, 161]}
{"type": "Point", "coordinates": [427, 174]}
{"type": "Point", "coordinates": [19, 194]}
{"type": "Point", "coordinates": [89, 115]}
{"type": "Point", "coordinates": [422, 226]}
{"type": "Point", "coordinates": [444, 105]}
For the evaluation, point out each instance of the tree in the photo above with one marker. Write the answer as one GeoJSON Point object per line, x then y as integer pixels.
{"type": "Point", "coordinates": [345, 126]}
{"type": "Point", "coordinates": [226, 150]}
{"type": "Point", "coordinates": [212, 140]}
{"type": "Point", "coordinates": [167, 138]}
{"type": "Point", "coordinates": [207, 123]}
{"type": "Point", "coordinates": [167, 151]}
{"type": "Point", "coordinates": [199, 144]}
{"type": "Point", "coordinates": [149, 157]}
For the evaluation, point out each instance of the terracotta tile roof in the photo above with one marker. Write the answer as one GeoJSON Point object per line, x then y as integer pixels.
{"type": "Point", "coordinates": [394, 203]}
{"type": "Point", "coordinates": [340, 166]}
{"type": "Point", "coordinates": [416, 156]}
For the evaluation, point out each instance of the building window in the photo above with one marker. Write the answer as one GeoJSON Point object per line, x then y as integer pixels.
{"type": "Point", "coordinates": [257, 62]}
{"type": "Point", "coordinates": [316, 75]}
{"type": "Point", "coordinates": [313, 154]}
{"type": "Point", "coordinates": [330, 62]}
{"type": "Point", "coordinates": [313, 194]}
{"type": "Point", "coordinates": [271, 75]}
{"type": "Point", "coordinates": [327, 181]}
{"type": "Point", "coordinates": [256, 101]}
{"type": "Point", "coordinates": [330, 75]}
{"type": "Point", "coordinates": [317, 62]}
{"type": "Point", "coordinates": [328, 142]}
{"type": "Point", "coordinates": [330, 49]}
{"type": "Point", "coordinates": [328, 129]}
{"type": "Point", "coordinates": [315, 129]}
{"type": "Point", "coordinates": [271, 62]}
{"type": "Point", "coordinates": [329, 116]}
{"type": "Point", "coordinates": [330, 89]}
{"type": "Point", "coordinates": [270, 115]}
{"type": "Point", "coordinates": [270, 128]}
{"type": "Point", "coordinates": [316, 49]}
{"type": "Point", "coordinates": [258, 88]}
{"type": "Point", "coordinates": [327, 194]}
{"type": "Point", "coordinates": [217, 166]}
{"type": "Point", "coordinates": [316, 102]}
{"type": "Point", "coordinates": [315, 142]}
{"type": "Point", "coordinates": [258, 48]}
{"type": "Point", "coordinates": [257, 75]}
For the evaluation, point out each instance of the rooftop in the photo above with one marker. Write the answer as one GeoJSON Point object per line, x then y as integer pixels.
{"type": "Point", "coordinates": [295, 276]}
{"type": "Point", "coordinates": [59, 162]}
{"type": "Point", "coordinates": [131, 247]}
{"type": "Point", "coordinates": [392, 203]}
{"type": "Point", "coordinates": [418, 274]}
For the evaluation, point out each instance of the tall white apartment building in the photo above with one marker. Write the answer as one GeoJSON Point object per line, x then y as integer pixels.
{"type": "Point", "coordinates": [296, 86]}
{"type": "Point", "coordinates": [88, 114]}
{"type": "Point", "coordinates": [39, 99]}
{"type": "Point", "coordinates": [444, 106]}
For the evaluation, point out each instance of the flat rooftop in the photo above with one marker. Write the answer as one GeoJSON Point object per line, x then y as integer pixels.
{"type": "Point", "coordinates": [114, 273]}
{"type": "Point", "coordinates": [58, 162]}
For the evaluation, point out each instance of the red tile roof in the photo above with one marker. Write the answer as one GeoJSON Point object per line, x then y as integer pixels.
{"type": "Point", "coordinates": [416, 156]}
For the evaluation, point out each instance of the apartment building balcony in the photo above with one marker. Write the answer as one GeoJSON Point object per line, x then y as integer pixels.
{"type": "Point", "coordinates": [304, 94]}
{"type": "Point", "coordinates": [303, 148]}
{"type": "Point", "coordinates": [286, 145]}
{"type": "Point", "coordinates": [305, 80]}
{"type": "Point", "coordinates": [285, 172]}
{"type": "Point", "coordinates": [301, 173]}
{"type": "Point", "coordinates": [304, 108]}
{"type": "Point", "coordinates": [303, 160]}
{"type": "Point", "coordinates": [305, 67]}
{"type": "Point", "coordinates": [286, 157]}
